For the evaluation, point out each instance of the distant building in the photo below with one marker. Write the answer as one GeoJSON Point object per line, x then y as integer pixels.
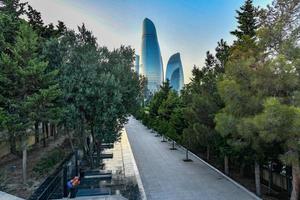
{"type": "Point", "coordinates": [151, 63]}
{"type": "Point", "coordinates": [174, 72]}
{"type": "Point", "coordinates": [137, 64]}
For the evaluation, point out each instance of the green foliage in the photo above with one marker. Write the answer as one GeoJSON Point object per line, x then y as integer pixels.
{"type": "Point", "coordinates": [246, 18]}
{"type": "Point", "coordinates": [279, 123]}
{"type": "Point", "coordinates": [51, 74]}
{"type": "Point", "coordinates": [49, 161]}
{"type": "Point", "coordinates": [22, 76]}
{"type": "Point", "coordinates": [98, 86]}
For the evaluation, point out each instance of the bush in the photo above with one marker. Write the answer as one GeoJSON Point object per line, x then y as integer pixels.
{"type": "Point", "coordinates": [47, 162]}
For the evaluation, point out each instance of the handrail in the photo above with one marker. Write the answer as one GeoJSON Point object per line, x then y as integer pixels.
{"type": "Point", "coordinates": [42, 193]}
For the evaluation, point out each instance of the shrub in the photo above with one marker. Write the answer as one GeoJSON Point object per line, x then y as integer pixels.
{"type": "Point", "coordinates": [47, 162]}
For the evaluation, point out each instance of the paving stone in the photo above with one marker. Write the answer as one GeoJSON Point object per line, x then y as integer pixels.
{"type": "Point", "coordinates": [166, 176]}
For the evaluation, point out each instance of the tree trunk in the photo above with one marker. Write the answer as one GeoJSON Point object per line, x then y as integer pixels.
{"type": "Point", "coordinates": [55, 131]}
{"type": "Point", "coordinates": [70, 138]}
{"type": "Point", "coordinates": [24, 160]}
{"type": "Point", "coordinates": [51, 130]}
{"type": "Point", "coordinates": [207, 152]}
{"type": "Point", "coordinates": [36, 133]}
{"type": "Point", "coordinates": [44, 134]}
{"type": "Point", "coordinates": [257, 178]}
{"type": "Point", "coordinates": [242, 169]}
{"type": "Point", "coordinates": [226, 165]}
{"type": "Point", "coordinates": [12, 144]}
{"type": "Point", "coordinates": [296, 180]}
{"type": "Point", "coordinates": [47, 129]}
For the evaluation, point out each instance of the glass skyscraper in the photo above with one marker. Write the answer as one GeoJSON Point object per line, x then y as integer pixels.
{"type": "Point", "coordinates": [137, 64]}
{"type": "Point", "coordinates": [151, 63]}
{"type": "Point", "coordinates": [175, 72]}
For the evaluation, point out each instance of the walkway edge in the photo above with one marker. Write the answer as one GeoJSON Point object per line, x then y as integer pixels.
{"type": "Point", "coordinates": [136, 171]}
{"type": "Point", "coordinates": [221, 173]}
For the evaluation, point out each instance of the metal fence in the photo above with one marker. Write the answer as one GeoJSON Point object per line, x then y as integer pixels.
{"type": "Point", "coordinates": [53, 186]}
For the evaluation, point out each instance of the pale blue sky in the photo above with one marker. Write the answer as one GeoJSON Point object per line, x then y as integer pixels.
{"type": "Point", "coordinates": [190, 27]}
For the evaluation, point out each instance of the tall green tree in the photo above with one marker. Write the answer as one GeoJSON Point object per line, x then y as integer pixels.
{"type": "Point", "coordinates": [98, 86]}
{"type": "Point", "coordinates": [23, 72]}
{"type": "Point", "coordinates": [247, 23]}
{"type": "Point", "coordinates": [202, 101]}
{"type": "Point", "coordinates": [280, 124]}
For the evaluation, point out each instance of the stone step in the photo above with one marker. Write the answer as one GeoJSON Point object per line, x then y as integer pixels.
{"type": "Point", "coordinates": [93, 192]}
{"type": "Point", "coordinates": [107, 145]}
{"type": "Point", "coordinates": [98, 176]}
{"type": "Point", "coordinates": [97, 172]}
{"type": "Point", "coordinates": [104, 155]}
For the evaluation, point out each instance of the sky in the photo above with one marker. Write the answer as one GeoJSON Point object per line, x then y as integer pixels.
{"type": "Point", "coordinates": [190, 27]}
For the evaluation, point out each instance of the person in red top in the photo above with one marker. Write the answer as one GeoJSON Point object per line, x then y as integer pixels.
{"type": "Point", "coordinates": [72, 185]}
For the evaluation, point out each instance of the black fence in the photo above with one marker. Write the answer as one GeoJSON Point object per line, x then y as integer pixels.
{"type": "Point", "coordinates": [53, 186]}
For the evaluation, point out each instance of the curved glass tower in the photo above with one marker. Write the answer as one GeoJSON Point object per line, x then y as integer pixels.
{"type": "Point", "coordinates": [137, 64]}
{"type": "Point", "coordinates": [151, 62]}
{"type": "Point", "coordinates": [175, 72]}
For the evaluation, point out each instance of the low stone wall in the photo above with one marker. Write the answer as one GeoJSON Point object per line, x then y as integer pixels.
{"type": "Point", "coordinates": [5, 149]}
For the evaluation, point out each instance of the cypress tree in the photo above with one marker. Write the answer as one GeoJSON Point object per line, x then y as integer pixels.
{"type": "Point", "coordinates": [246, 18]}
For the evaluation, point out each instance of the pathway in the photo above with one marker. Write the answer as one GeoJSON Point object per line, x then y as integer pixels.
{"type": "Point", "coordinates": [165, 176]}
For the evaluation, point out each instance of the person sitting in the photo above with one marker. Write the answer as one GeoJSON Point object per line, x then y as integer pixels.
{"type": "Point", "coordinates": [72, 186]}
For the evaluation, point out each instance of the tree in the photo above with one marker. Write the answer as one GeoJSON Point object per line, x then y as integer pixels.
{"type": "Point", "coordinates": [23, 71]}
{"type": "Point", "coordinates": [35, 20]}
{"type": "Point", "coordinates": [13, 8]}
{"type": "Point", "coordinates": [99, 88]}
{"type": "Point", "coordinates": [222, 55]}
{"type": "Point", "coordinates": [165, 112]}
{"type": "Point", "coordinates": [177, 124]}
{"type": "Point", "coordinates": [254, 72]}
{"type": "Point", "coordinates": [203, 101]}
{"type": "Point", "coordinates": [279, 123]}
{"type": "Point", "coordinates": [247, 23]}
{"type": "Point", "coordinates": [158, 98]}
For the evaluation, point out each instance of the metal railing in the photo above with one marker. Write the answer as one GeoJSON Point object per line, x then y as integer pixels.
{"type": "Point", "coordinates": [51, 183]}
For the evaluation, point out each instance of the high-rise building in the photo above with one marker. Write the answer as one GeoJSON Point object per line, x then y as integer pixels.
{"type": "Point", "coordinates": [174, 72]}
{"type": "Point", "coordinates": [137, 64]}
{"type": "Point", "coordinates": [151, 63]}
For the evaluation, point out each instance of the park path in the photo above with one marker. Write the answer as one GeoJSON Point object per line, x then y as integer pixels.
{"type": "Point", "coordinates": [166, 177]}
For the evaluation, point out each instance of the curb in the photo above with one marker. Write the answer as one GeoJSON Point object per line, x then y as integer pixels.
{"type": "Point", "coordinates": [136, 172]}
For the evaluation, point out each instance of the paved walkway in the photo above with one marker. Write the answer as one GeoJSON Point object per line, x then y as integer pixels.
{"type": "Point", "coordinates": [5, 196]}
{"type": "Point", "coordinates": [165, 176]}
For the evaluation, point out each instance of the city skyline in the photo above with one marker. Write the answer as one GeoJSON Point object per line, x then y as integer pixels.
{"type": "Point", "coordinates": [192, 28]}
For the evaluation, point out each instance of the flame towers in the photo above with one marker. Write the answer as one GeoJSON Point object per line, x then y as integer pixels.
{"type": "Point", "coordinates": [151, 62]}
{"type": "Point", "coordinates": [175, 72]}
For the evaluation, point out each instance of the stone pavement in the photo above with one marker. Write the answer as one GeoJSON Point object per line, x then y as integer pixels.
{"type": "Point", "coordinates": [165, 176]}
{"type": "Point", "coordinates": [5, 196]}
